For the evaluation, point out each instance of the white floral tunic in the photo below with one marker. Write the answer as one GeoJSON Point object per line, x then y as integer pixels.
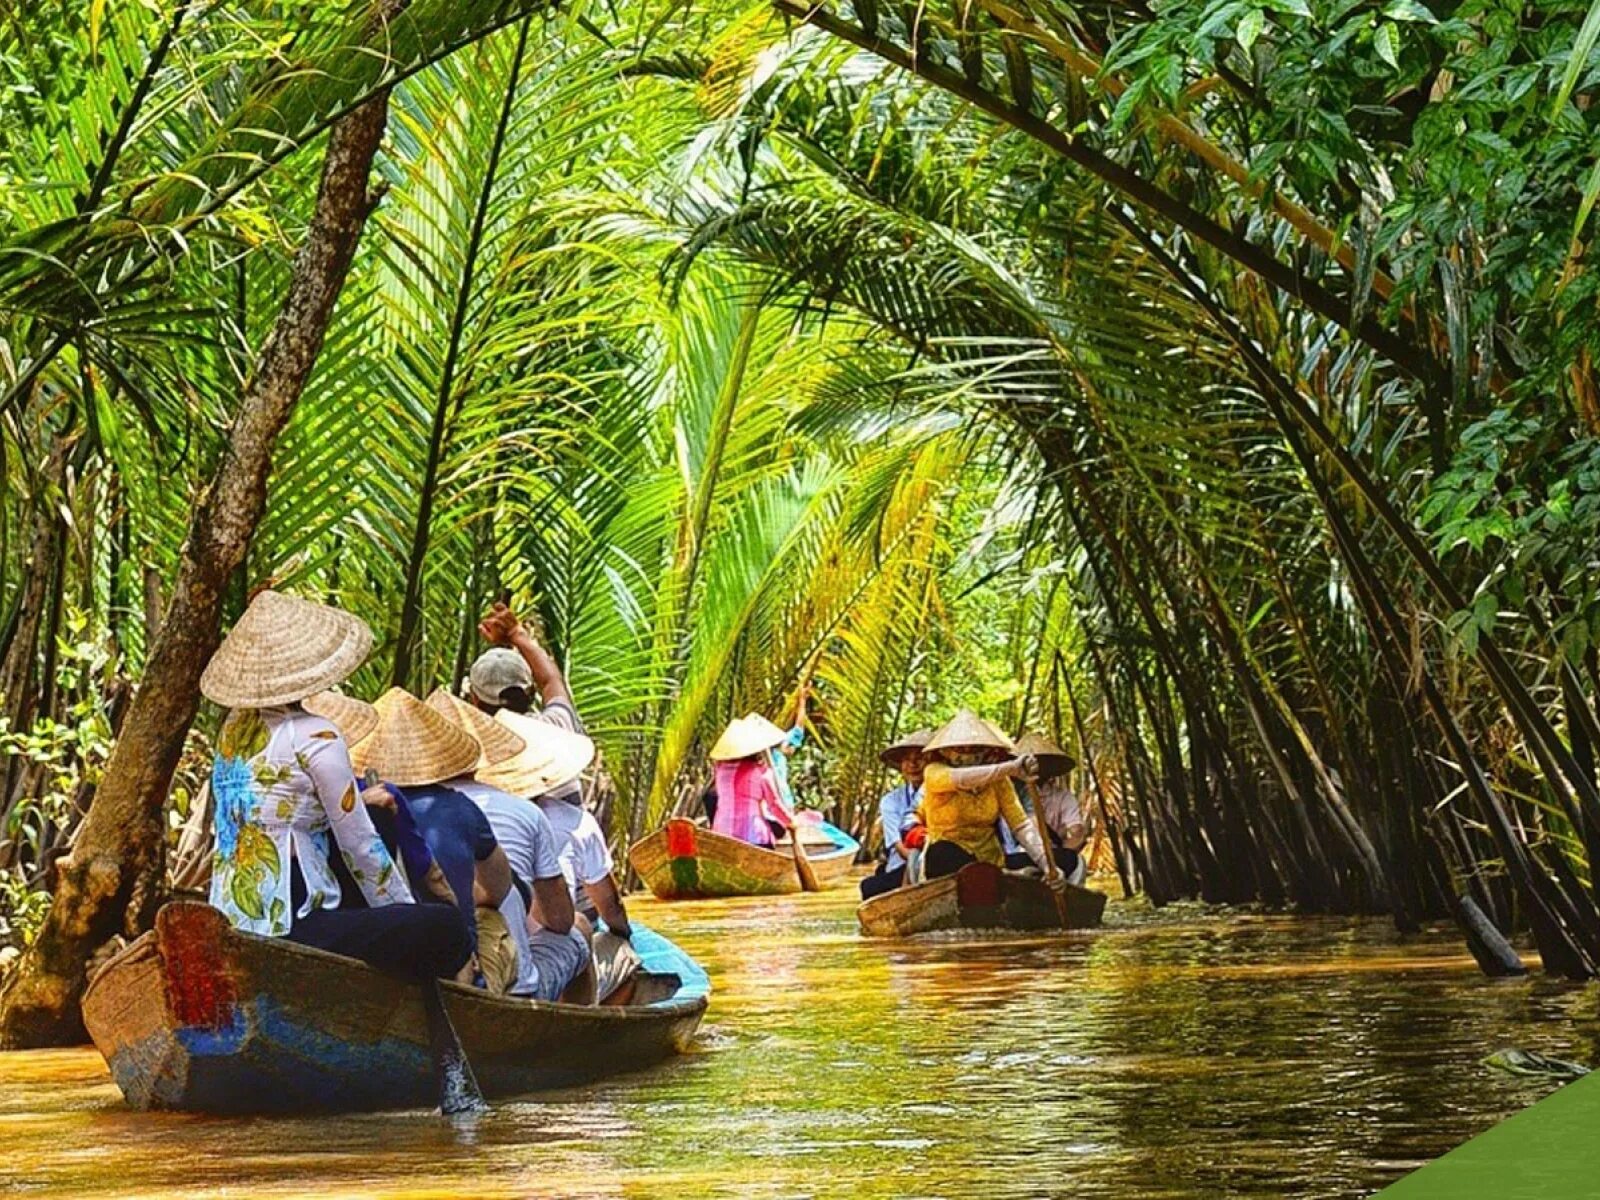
{"type": "Point", "coordinates": [282, 780]}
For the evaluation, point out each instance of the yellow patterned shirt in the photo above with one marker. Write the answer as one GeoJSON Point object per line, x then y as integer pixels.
{"type": "Point", "coordinates": [966, 815]}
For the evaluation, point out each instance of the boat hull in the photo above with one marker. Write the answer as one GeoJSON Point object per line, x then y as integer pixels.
{"type": "Point", "coordinates": [199, 1017]}
{"type": "Point", "coordinates": [979, 896]}
{"type": "Point", "coordinates": [685, 861]}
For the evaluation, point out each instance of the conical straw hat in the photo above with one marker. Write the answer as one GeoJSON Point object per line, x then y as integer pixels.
{"type": "Point", "coordinates": [968, 730]}
{"type": "Point", "coordinates": [1053, 760]}
{"type": "Point", "coordinates": [893, 753]}
{"type": "Point", "coordinates": [284, 649]}
{"type": "Point", "coordinates": [550, 756]}
{"type": "Point", "coordinates": [496, 742]}
{"type": "Point", "coordinates": [353, 718]}
{"type": "Point", "coordinates": [745, 736]}
{"type": "Point", "coordinates": [413, 745]}
{"type": "Point", "coordinates": [766, 727]}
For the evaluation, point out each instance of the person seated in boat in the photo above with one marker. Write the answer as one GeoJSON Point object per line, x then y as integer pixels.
{"type": "Point", "coordinates": [590, 872]}
{"type": "Point", "coordinates": [355, 719]}
{"type": "Point", "coordinates": [552, 950]}
{"type": "Point", "coordinates": [501, 681]}
{"type": "Point", "coordinates": [897, 812]}
{"type": "Point", "coordinates": [1063, 818]}
{"type": "Point", "coordinates": [514, 670]}
{"type": "Point", "coordinates": [415, 751]}
{"type": "Point", "coordinates": [1017, 858]}
{"type": "Point", "coordinates": [966, 787]}
{"type": "Point", "coordinates": [750, 805]}
{"type": "Point", "coordinates": [286, 795]}
{"type": "Point", "coordinates": [778, 757]}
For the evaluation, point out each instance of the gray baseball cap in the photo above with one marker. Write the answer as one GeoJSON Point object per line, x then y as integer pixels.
{"type": "Point", "coordinates": [495, 671]}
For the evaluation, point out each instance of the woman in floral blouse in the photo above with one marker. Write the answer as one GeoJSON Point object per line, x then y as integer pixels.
{"type": "Point", "coordinates": [286, 797]}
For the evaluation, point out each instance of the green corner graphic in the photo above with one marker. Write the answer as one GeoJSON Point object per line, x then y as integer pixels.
{"type": "Point", "coordinates": [1550, 1151]}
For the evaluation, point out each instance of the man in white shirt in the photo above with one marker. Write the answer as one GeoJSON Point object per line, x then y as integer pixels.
{"type": "Point", "coordinates": [507, 676]}
{"type": "Point", "coordinates": [550, 951]}
{"type": "Point", "coordinates": [897, 812]}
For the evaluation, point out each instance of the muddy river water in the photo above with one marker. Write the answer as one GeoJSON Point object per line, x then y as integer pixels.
{"type": "Point", "coordinates": [1186, 1053]}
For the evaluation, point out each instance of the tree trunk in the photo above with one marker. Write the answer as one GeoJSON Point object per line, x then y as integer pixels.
{"type": "Point", "coordinates": [111, 883]}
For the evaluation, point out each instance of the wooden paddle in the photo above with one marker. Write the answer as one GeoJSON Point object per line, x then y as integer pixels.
{"type": "Point", "coordinates": [802, 864]}
{"type": "Point", "coordinates": [1051, 871]}
{"type": "Point", "coordinates": [458, 1087]}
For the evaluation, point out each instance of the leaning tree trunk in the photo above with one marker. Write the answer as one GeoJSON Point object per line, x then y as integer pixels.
{"type": "Point", "coordinates": [111, 883]}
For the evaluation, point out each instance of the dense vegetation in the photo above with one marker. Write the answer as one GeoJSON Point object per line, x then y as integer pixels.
{"type": "Point", "coordinates": [1210, 384]}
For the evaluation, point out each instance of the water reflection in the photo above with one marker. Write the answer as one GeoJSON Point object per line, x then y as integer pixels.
{"type": "Point", "coordinates": [1182, 1054]}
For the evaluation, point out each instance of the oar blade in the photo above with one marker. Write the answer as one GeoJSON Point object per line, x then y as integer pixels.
{"type": "Point", "coordinates": [458, 1088]}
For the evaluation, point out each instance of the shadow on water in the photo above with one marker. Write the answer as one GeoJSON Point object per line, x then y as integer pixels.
{"type": "Point", "coordinates": [1183, 1054]}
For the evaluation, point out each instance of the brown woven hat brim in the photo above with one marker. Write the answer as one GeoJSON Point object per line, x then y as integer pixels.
{"type": "Point", "coordinates": [353, 718]}
{"type": "Point", "coordinates": [744, 737]}
{"type": "Point", "coordinates": [496, 742]}
{"type": "Point", "coordinates": [282, 650]}
{"type": "Point", "coordinates": [1053, 760]}
{"type": "Point", "coordinates": [550, 757]}
{"type": "Point", "coordinates": [413, 745]}
{"type": "Point", "coordinates": [911, 743]}
{"type": "Point", "coordinates": [967, 730]}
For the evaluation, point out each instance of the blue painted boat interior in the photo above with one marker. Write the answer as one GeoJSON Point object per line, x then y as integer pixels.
{"type": "Point", "coordinates": [662, 956]}
{"type": "Point", "coordinates": [839, 837]}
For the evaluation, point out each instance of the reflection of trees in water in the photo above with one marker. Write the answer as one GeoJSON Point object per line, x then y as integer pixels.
{"type": "Point", "coordinates": [1295, 1057]}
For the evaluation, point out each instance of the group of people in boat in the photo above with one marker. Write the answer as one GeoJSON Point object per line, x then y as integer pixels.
{"type": "Point", "coordinates": [444, 838]}
{"type": "Point", "coordinates": [968, 794]}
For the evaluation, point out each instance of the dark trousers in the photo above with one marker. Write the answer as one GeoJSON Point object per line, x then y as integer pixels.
{"type": "Point", "coordinates": [883, 881]}
{"type": "Point", "coordinates": [944, 858]}
{"type": "Point", "coordinates": [419, 941]}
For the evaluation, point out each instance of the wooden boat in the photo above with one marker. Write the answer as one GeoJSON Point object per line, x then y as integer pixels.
{"type": "Point", "coordinates": [978, 896]}
{"type": "Point", "coordinates": [685, 861]}
{"type": "Point", "coordinates": [198, 1016]}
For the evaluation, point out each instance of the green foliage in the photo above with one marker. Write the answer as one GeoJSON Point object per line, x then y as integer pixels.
{"type": "Point", "coordinates": [745, 360]}
{"type": "Point", "coordinates": [59, 757]}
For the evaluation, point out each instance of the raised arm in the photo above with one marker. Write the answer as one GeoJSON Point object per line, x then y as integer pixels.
{"type": "Point", "coordinates": [327, 761]}
{"type": "Point", "coordinates": [502, 625]}
{"type": "Point", "coordinates": [972, 779]}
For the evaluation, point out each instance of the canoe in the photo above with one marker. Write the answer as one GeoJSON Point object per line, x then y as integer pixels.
{"type": "Point", "coordinates": [685, 861]}
{"type": "Point", "coordinates": [200, 1017]}
{"type": "Point", "coordinates": [978, 896]}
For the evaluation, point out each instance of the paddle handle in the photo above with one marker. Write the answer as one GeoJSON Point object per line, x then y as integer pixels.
{"type": "Point", "coordinates": [1051, 871]}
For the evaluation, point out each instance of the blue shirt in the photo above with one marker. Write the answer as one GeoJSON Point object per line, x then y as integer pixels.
{"type": "Point", "coordinates": [896, 812]}
{"type": "Point", "coordinates": [780, 762]}
{"type": "Point", "coordinates": [459, 836]}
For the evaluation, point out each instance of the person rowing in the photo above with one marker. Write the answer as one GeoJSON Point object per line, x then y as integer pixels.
{"type": "Point", "coordinates": [966, 788]}
{"type": "Point", "coordinates": [750, 804]}
{"type": "Point", "coordinates": [286, 795]}
{"type": "Point", "coordinates": [897, 813]}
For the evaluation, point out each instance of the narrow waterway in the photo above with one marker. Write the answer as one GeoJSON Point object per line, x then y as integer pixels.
{"type": "Point", "coordinates": [1181, 1054]}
